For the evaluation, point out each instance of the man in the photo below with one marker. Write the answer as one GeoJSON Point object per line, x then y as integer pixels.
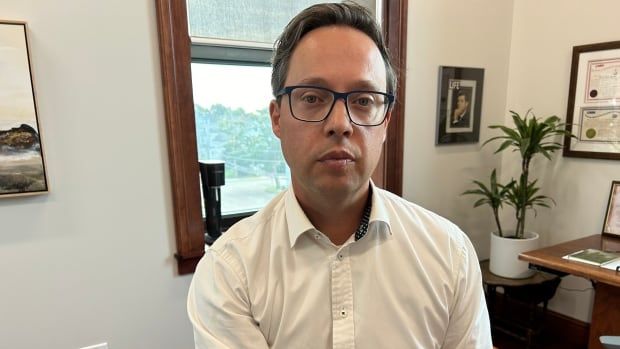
{"type": "Point", "coordinates": [335, 262]}
{"type": "Point", "coordinates": [460, 116]}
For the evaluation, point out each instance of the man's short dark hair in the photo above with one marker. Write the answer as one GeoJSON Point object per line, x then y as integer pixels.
{"type": "Point", "coordinates": [464, 94]}
{"type": "Point", "coordinates": [344, 14]}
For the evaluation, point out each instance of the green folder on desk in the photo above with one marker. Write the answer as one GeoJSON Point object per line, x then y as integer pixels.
{"type": "Point", "coordinates": [595, 257]}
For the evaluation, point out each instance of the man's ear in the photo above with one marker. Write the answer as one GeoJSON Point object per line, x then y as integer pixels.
{"type": "Point", "coordinates": [274, 114]}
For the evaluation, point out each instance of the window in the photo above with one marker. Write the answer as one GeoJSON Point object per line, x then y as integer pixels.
{"type": "Point", "coordinates": [231, 50]}
{"type": "Point", "coordinates": [232, 124]}
{"type": "Point", "coordinates": [253, 23]}
{"type": "Point", "coordinates": [177, 56]}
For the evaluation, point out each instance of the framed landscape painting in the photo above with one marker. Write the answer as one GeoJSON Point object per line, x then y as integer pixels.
{"type": "Point", "coordinates": [22, 167]}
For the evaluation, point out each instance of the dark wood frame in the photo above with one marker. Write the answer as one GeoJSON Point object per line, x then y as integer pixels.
{"type": "Point", "coordinates": [389, 172]}
{"type": "Point", "coordinates": [614, 184]}
{"type": "Point", "coordinates": [577, 51]}
{"type": "Point", "coordinates": [174, 46]}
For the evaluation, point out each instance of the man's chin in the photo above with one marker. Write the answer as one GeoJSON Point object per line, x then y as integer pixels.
{"type": "Point", "coordinates": [341, 186]}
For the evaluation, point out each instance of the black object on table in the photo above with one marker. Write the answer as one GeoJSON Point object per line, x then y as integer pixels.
{"type": "Point", "coordinates": [212, 176]}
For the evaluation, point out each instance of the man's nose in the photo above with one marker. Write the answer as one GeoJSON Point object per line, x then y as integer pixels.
{"type": "Point", "coordinates": [338, 122]}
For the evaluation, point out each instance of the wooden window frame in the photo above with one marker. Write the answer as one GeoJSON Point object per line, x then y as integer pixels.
{"type": "Point", "coordinates": [175, 56]}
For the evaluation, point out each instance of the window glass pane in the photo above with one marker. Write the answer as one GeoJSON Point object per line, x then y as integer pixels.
{"type": "Point", "coordinates": [232, 124]}
{"type": "Point", "coordinates": [246, 20]}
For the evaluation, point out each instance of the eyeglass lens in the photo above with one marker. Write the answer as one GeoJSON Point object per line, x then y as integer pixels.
{"type": "Point", "coordinates": [313, 104]}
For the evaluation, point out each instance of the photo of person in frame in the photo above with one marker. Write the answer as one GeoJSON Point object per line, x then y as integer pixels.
{"type": "Point", "coordinates": [459, 105]}
{"type": "Point", "coordinates": [461, 110]}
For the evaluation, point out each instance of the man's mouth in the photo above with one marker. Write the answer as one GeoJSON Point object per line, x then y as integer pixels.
{"type": "Point", "coordinates": [337, 158]}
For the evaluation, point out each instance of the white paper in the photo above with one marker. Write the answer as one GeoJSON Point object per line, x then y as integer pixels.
{"type": "Point", "coordinates": [612, 265]}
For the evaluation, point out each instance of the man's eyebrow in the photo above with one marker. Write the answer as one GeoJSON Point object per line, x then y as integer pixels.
{"type": "Point", "coordinates": [366, 85]}
{"type": "Point", "coordinates": [313, 81]}
{"type": "Point", "coordinates": [357, 85]}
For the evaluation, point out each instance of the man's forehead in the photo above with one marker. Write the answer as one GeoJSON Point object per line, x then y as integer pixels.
{"type": "Point", "coordinates": [337, 54]}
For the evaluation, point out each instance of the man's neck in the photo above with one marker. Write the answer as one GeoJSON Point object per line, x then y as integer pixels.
{"type": "Point", "coordinates": [337, 217]}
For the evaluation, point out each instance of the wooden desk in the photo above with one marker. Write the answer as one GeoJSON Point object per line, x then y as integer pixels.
{"type": "Point", "coordinates": [606, 310]}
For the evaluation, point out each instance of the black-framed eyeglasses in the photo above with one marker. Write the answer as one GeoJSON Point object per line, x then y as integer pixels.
{"type": "Point", "coordinates": [313, 104]}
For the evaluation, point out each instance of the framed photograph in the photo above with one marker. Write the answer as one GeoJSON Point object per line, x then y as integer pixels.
{"type": "Point", "coordinates": [593, 114]}
{"type": "Point", "coordinates": [22, 168]}
{"type": "Point", "coordinates": [611, 226]}
{"type": "Point", "coordinates": [459, 104]}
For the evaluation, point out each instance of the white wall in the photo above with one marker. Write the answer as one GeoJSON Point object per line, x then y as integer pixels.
{"type": "Point", "coordinates": [92, 260]}
{"type": "Point", "coordinates": [544, 33]}
{"type": "Point", "coordinates": [526, 53]}
{"type": "Point", "coordinates": [453, 33]}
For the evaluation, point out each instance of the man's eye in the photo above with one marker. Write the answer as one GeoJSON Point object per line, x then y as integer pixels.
{"type": "Point", "coordinates": [310, 99]}
{"type": "Point", "coordinates": [364, 101]}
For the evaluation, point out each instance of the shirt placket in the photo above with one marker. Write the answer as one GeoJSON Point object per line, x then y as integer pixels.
{"type": "Point", "coordinates": [342, 301]}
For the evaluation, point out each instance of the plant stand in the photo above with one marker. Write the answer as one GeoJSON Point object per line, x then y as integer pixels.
{"type": "Point", "coordinates": [516, 311]}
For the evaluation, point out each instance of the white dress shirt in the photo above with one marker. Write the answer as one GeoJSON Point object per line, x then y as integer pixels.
{"type": "Point", "coordinates": [274, 281]}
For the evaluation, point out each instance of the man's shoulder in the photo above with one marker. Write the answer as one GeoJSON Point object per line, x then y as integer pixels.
{"type": "Point", "coordinates": [420, 219]}
{"type": "Point", "coordinates": [250, 230]}
{"type": "Point", "coordinates": [403, 206]}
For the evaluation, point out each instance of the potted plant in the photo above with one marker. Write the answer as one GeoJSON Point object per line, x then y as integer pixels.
{"type": "Point", "coordinates": [529, 136]}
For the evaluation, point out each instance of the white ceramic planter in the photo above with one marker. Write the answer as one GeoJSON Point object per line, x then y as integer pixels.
{"type": "Point", "coordinates": [504, 260]}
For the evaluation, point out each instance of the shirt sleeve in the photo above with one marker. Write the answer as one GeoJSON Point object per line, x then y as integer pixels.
{"type": "Point", "coordinates": [469, 325]}
{"type": "Point", "coordinates": [219, 308]}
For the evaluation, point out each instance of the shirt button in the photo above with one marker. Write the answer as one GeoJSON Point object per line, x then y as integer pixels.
{"type": "Point", "coordinates": [340, 257]}
{"type": "Point", "coordinates": [343, 313]}
{"type": "Point", "coordinates": [317, 236]}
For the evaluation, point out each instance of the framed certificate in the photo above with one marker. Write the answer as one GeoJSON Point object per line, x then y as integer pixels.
{"type": "Point", "coordinates": [593, 114]}
{"type": "Point", "coordinates": [611, 226]}
{"type": "Point", "coordinates": [459, 104]}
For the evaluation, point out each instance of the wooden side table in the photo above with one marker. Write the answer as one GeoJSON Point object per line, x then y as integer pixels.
{"type": "Point", "coordinates": [529, 292]}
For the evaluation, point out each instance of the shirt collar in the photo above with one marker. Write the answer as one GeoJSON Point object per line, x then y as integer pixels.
{"type": "Point", "coordinates": [379, 212]}
{"type": "Point", "coordinates": [296, 220]}
{"type": "Point", "coordinates": [298, 223]}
